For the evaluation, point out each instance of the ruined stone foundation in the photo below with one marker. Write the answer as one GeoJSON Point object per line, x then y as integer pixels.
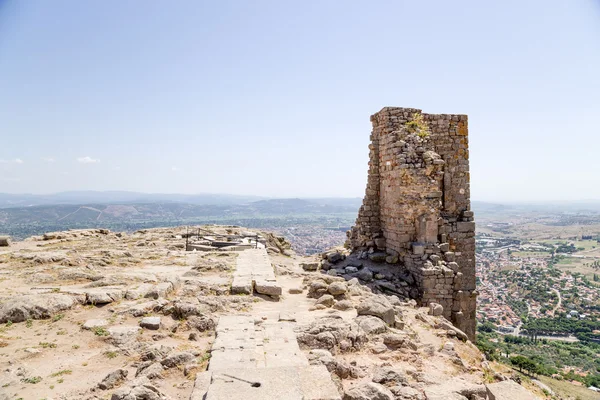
{"type": "Point", "coordinates": [417, 206]}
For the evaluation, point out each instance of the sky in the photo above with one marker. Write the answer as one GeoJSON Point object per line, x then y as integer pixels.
{"type": "Point", "coordinates": [273, 98]}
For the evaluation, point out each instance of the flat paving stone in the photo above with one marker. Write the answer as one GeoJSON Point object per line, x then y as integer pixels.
{"type": "Point", "coordinates": [254, 273]}
{"type": "Point", "coordinates": [288, 383]}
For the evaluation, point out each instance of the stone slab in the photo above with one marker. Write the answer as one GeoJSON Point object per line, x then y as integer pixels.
{"type": "Point", "coordinates": [287, 383]}
{"type": "Point", "coordinates": [508, 390]}
{"type": "Point", "coordinates": [254, 273]}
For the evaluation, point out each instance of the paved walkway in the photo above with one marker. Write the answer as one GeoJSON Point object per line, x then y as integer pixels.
{"type": "Point", "coordinates": [253, 358]}
{"type": "Point", "coordinates": [254, 273]}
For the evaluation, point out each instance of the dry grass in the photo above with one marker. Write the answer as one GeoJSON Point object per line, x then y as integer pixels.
{"type": "Point", "coordinates": [566, 389]}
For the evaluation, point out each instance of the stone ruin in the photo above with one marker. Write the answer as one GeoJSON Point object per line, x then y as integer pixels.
{"type": "Point", "coordinates": [417, 207]}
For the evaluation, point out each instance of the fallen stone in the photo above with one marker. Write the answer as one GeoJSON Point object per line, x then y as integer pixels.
{"type": "Point", "coordinates": [377, 257]}
{"type": "Point", "coordinates": [394, 340]}
{"type": "Point", "coordinates": [140, 389]}
{"type": "Point", "coordinates": [343, 305]}
{"type": "Point", "coordinates": [391, 259]}
{"type": "Point", "coordinates": [369, 391]}
{"type": "Point", "coordinates": [113, 379]}
{"type": "Point", "coordinates": [377, 306]}
{"type": "Point", "coordinates": [389, 375]}
{"type": "Point", "coordinates": [267, 288]}
{"type": "Point", "coordinates": [176, 359]}
{"type": "Point", "coordinates": [334, 257]}
{"type": "Point", "coordinates": [152, 370]}
{"type": "Point", "coordinates": [365, 274]}
{"type": "Point", "coordinates": [310, 266]}
{"type": "Point", "coordinates": [449, 327]}
{"type": "Point", "coordinates": [150, 323]}
{"type": "Point", "coordinates": [326, 300]}
{"type": "Point", "coordinates": [337, 288]}
{"type": "Point", "coordinates": [329, 333]}
{"type": "Point", "coordinates": [94, 323]}
{"type": "Point", "coordinates": [371, 325]}
{"type": "Point", "coordinates": [436, 309]}
{"type": "Point", "coordinates": [22, 308]}
{"type": "Point", "coordinates": [317, 289]}
{"type": "Point", "coordinates": [103, 296]}
{"type": "Point", "coordinates": [406, 393]}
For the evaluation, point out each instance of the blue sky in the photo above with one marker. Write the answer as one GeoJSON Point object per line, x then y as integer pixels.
{"type": "Point", "coordinates": [273, 97]}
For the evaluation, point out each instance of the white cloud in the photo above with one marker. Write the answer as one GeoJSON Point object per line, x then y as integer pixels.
{"type": "Point", "coordinates": [175, 169]}
{"type": "Point", "coordinates": [88, 160]}
{"type": "Point", "coordinates": [117, 168]}
{"type": "Point", "coordinates": [15, 161]}
{"type": "Point", "coordinates": [48, 159]}
{"type": "Point", "coordinates": [6, 179]}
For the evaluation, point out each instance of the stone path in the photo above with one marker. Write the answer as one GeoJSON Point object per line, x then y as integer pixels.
{"type": "Point", "coordinates": [254, 273]}
{"type": "Point", "coordinates": [254, 358]}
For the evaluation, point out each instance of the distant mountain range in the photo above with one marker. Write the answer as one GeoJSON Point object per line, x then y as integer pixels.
{"type": "Point", "coordinates": [112, 197]}
{"type": "Point", "coordinates": [24, 215]}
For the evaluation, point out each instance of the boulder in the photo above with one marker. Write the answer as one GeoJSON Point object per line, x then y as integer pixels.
{"type": "Point", "coordinates": [334, 257]}
{"type": "Point", "coordinates": [201, 323]}
{"type": "Point", "coordinates": [365, 274]}
{"type": "Point", "coordinates": [309, 266]}
{"type": "Point", "coordinates": [326, 265]}
{"type": "Point", "coordinates": [391, 259]}
{"type": "Point", "coordinates": [331, 333]}
{"type": "Point", "coordinates": [406, 393]}
{"type": "Point", "coordinates": [94, 323]}
{"type": "Point", "coordinates": [377, 306]}
{"type": "Point", "coordinates": [371, 325]}
{"type": "Point", "coordinates": [326, 300]}
{"type": "Point", "coordinates": [34, 306]}
{"type": "Point", "coordinates": [103, 296]}
{"type": "Point", "coordinates": [449, 327]}
{"type": "Point", "coordinates": [337, 288]}
{"type": "Point", "coordinates": [389, 375]}
{"type": "Point", "coordinates": [324, 357]}
{"type": "Point", "coordinates": [317, 288]}
{"type": "Point", "coordinates": [113, 379]}
{"type": "Point", "coordinates": [151, 370]}
{"type": "Point", "coordinates": [267, 288]}
{"type": "Point", "coordinates": [139, 389]}
{"type": "Point", "coordinates": [124, 336]}
{"type": "Point", "coordinates": [394, 340]}
{"type": "Point", "coordinates": [378, 257]}
{"type": "Point", "coordinates": [369, 391]}
{"type": "Point", "coordinates": [183, 309]}
{"type": "Point", "coordinates": [150, 323]}
{"type": "Point", "coordinates": [343, 305]}
{"type": "Point", "coordinates": [176, 359]}
{"type": "Point", "coordinates": [4, 241]}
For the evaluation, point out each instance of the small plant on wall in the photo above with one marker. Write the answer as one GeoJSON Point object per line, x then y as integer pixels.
{"type": "Point", "coordinates": [418, 126]}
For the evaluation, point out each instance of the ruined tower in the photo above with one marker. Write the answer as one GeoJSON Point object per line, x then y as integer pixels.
{"type": "Point", "coordinates": [417, 206]}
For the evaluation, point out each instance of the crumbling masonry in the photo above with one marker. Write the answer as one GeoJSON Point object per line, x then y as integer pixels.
{"type": "Point", "coordinates": [417, 206]}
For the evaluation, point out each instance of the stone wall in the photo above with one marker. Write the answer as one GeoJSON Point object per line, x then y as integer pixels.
{"type": "Point", "coordinates": [417, 206]}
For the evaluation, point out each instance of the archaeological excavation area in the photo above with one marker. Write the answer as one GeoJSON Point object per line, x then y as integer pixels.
{"type": "Point", "coordinates": [231, 313]}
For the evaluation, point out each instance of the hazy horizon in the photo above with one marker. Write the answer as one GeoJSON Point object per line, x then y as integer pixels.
{"type": "Point", "coordinates": [273, 99]}
{"type": "Point", "coordinates": [259, 197]}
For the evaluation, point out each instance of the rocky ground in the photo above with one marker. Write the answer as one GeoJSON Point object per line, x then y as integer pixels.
{"type": "Point", "coordinates": [93, 314]}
